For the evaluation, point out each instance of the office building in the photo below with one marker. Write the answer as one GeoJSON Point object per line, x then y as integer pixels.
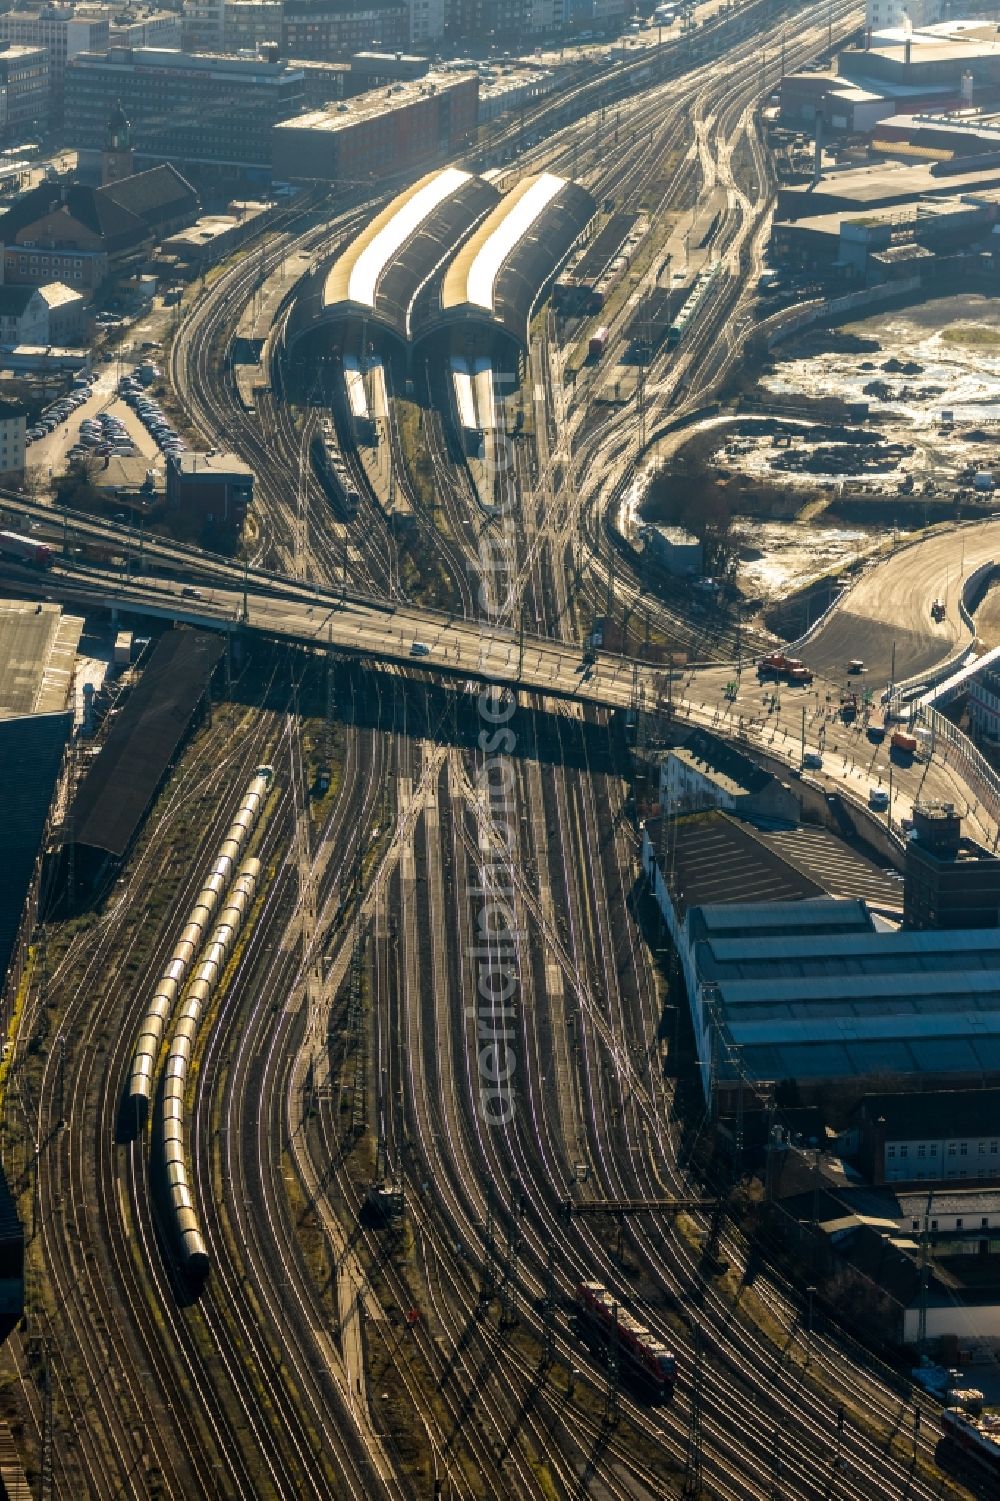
{"type": "Point", "coordinates": [328, 29]}
{"type": "Point", "coordinates": [137, 28]}
{"type": "Point", "coordinates": [62, 32]}
{"type": "Point", "coordinates": [937, 1136]}
{"type": "Point", "coordinates": [881, 15]}
{"type": "Point", "coordinates": [204, 26]}
{"type": "Point", "coordinates": [203, 112]}
{"type": "Point", "coordinates": [12, 431]}
{"type": "Point", "coordinates": [250, 24]}
{"type": "Point", "coordinates": [25, 95]}
{"type": "Point", "coordinates": [426, 22]}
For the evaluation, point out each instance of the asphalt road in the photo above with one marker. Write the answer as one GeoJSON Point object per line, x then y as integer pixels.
{"type": "Point", "coordinates": [891, 604]}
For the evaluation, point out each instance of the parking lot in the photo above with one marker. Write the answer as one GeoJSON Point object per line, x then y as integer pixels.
{"type": "Point", "coordinates": [48, 454]}
{"type": "Point", "coordinates": [101, 418]}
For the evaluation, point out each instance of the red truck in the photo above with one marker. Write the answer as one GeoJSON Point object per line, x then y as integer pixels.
{"type": "Point", "coordinates": [25, 550]}
{"type": "Point", "coordinates": [777, 665]}
{"type": "Point", "coordinates": [902, 743]}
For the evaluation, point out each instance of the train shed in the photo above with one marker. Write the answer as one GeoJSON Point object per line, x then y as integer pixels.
{"type": "Point", "coordinates": [366, 294]}
{"type": "Point", "coordinates": [141, 746]}
{"type": "Point", "coordinates": [493, 285]}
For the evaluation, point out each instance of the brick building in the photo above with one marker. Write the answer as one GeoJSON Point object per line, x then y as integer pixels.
{"type": "Point", "coordinates": [212, 491]}
{"type": "Point", "coordinates": [380, 132]}
{"type": "Point", "coordinates": [73, 233]}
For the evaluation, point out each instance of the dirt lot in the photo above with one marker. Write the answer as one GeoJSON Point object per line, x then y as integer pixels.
{"type": "Point", "coordinates": [807, 494]}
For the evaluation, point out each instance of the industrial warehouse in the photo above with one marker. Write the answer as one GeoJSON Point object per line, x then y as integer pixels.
{"type": "Point", "coordinates": [880, 979]}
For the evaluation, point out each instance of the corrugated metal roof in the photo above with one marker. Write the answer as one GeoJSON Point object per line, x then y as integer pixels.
{"type": "Point", "coordinates": [738, 917]}
{"type": "Point", "coordinates": [863, 1028]}
{"type": "Point", "coordinates": [896, 949]}
{"type": "Point", "coordinates": [31, 753]}
{"type": "Point", "coordinates": [811, 991]}
{"type": "Point", "coordinates": [118, 787]}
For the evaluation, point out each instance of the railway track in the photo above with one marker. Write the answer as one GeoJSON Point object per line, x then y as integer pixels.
{"type": "Point", "coordinates": [81, 1202]}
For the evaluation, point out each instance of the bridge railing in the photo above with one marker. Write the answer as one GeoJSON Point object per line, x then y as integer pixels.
{"type": "Point", "coordinates": [977, 773]}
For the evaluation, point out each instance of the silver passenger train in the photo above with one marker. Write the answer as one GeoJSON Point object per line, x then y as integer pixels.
{"type": "Point", "coordinates": [200, 918]}
{"type": "Point", "coordinates": [218, 952]}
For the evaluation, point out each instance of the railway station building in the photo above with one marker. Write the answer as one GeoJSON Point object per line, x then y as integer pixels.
{"type": "Point", "coordinates": [363, 303]}
{"type": "Point", "coordinates": [370, 289]}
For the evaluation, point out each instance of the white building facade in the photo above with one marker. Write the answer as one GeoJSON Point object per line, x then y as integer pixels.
{"type": "Point", "coordinates": [884, 15]}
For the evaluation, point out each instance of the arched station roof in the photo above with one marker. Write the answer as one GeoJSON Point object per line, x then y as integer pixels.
{"type": "Point", "coordinates": [378, 275]}
{"type": "Point", "coordinates": [502, 269]}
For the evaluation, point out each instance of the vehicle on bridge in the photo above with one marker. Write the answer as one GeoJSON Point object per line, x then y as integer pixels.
{"type": "Point", "coordinates": [938, 610]}
{"type": "Point", "coordinates": [903, 745]}
{"type": "Point", "coordinates": [26, 550]}
{"type": "Point", "coordinates": [777, 665]}
{"type": "Point", "coordinates": [642, 1354]}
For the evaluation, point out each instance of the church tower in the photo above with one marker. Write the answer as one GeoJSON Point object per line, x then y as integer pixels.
{"type": "Point", "coordinates": [116, 158]}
